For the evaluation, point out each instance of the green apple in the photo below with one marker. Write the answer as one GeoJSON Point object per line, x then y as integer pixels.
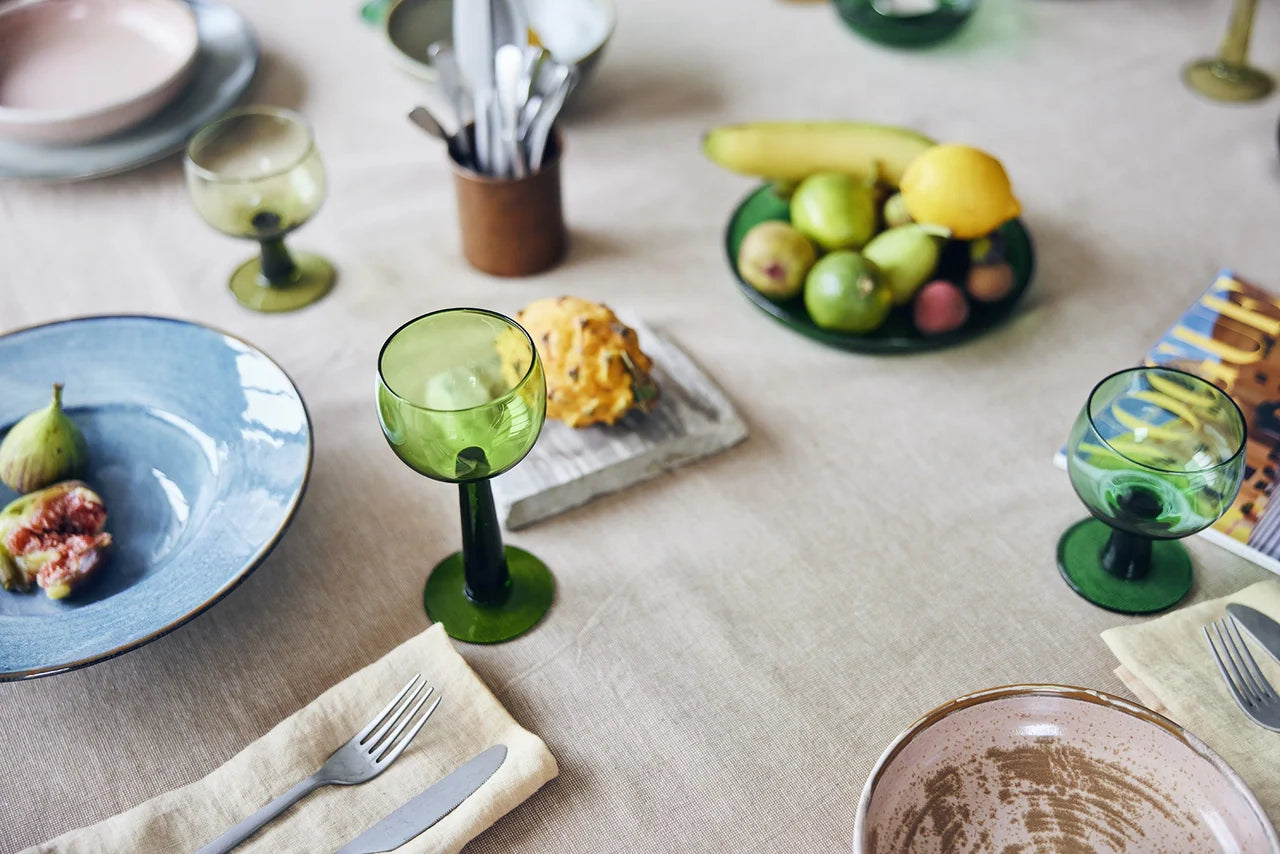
{"type": "Point", "coordinates": [844, 292]}
{"type": "Point", "coordinates": [834, 210]}
{"type": "Point", "coordinates": [907, 255]}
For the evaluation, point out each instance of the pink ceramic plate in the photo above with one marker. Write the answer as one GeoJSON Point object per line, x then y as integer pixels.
{"type": "Point", "coordinates": [75, 70]}
{"type": "Point", "coordinates": [1031, 768]}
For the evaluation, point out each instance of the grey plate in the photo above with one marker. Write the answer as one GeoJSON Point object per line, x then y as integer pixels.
{"type": "Point", "coordinates": [225, 66]}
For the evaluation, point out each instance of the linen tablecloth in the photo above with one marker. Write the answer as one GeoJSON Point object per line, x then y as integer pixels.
{"type": "Point", "coordinates": [732, 646]}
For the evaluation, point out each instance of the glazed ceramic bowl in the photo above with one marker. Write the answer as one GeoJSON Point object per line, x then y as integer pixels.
{"type": "Point", "coordinates": [572, 31]}
{"type": "Point", "coordinates": [77, 70]}
{"type": "Point", "coordinates": [200, 446]}
{"type": "Point", "coordinates": [1054, 768]}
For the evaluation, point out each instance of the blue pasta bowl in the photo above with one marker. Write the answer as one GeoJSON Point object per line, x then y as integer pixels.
{"type": "Point", "coordinates": [200, 447]}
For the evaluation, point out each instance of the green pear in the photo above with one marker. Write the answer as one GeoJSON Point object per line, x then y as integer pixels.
{"type": "Point", "coordinates": [774, 258]}
{"type": "Point", "coordinates": [907, 255]}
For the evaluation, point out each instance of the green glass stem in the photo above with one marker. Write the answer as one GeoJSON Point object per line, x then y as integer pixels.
{"type": "Point", "coordinates": [487, 580]}
{"type": "Point", "coordinates": [277, 264]}
{"type": "Point", "coordinates": [1235, 45]}
{"type": "Point", "coordinates": [1126, 555]}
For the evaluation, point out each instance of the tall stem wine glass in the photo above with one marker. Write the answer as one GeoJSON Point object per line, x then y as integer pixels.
{"type": "Point", "coordinates": [461, 399]}
{"type": "Point", "coordinates": [1156, 455]}
{"type": "Point", "coordinates": [256, 173]}
{"type": "Point", "coordinates": [1229, 76]}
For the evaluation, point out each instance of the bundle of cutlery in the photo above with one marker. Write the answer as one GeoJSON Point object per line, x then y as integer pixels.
{"type": "Point", "coordinates": [505, 94]}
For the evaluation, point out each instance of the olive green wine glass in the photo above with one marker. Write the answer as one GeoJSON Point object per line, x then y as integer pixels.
{"type": "Point", "coordinates": [462, 398]}
{"type": "Point", "coordinates": [256, 173]}
{"type": "Point", "coordinates": [1229, 76]}
{"type": "Point", "coordinates": [1156, 455]}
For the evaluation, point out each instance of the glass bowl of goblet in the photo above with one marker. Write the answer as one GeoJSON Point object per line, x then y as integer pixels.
{"type": "Point", "coordinates": [1156, 455]}
{"type": "Point", "coordinates": [461, 399]}
{"type": "Point", "coordinates": [255, 173]}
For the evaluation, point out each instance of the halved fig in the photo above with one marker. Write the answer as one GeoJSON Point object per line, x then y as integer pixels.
{"type": "Point", "coordinates": [55, 538]}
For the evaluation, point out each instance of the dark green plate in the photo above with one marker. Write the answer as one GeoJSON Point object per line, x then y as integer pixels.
{"type": "Point", "coordinates": [898, 334]}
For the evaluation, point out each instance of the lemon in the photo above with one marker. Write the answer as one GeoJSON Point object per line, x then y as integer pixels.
{"type": "Point", "coordinates": [960, 188]}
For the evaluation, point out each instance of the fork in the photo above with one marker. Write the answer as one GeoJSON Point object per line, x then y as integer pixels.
{"type": "Point", "coordinates": [1251, 690]}
{"type": "Point", "coordinates": [364, 757]}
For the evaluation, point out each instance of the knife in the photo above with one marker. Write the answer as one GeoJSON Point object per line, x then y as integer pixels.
{"type": "Point", "coordinates": [1265, 630]}
{"type": "Point", "coordinates": [422, 811]}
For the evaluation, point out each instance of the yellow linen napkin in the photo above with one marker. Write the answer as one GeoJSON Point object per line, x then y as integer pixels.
{"type": "Point", "coordinates": [468, 720]}
{"type": "Point", "coordinates": [1167, 664]}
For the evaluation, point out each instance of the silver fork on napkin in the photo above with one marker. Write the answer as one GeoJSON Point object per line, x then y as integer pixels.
{"type": "Point", "coordinates": [1251, 690]}
{"type": "Point", "coordinates": [365, 756]}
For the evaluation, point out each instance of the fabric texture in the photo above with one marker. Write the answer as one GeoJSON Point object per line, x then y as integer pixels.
{"type": "Point", "coordinates": [467, 721]}
{"type": "Point", "coordinates": [731, 646]}
{"type": "Point", "coordinates": [1168, 665]}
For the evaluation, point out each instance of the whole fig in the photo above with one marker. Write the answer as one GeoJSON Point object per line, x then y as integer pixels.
{"type": "Point", "coordinates": [55, 537]}
{"type": "Point", "coordinates": [43, 448]}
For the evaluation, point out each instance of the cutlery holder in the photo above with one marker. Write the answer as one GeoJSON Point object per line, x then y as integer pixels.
{"type": "Point", "coordinates": [511, 226]}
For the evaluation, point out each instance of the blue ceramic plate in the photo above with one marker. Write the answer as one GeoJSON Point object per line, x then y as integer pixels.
{"type": "Point", "coordinates": [200, 447]}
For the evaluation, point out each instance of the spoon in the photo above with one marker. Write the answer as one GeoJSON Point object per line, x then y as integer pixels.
{"type": "Point", "coordinates": [422, 117]}
{"type": "Point", "coordinates": [445, 62]}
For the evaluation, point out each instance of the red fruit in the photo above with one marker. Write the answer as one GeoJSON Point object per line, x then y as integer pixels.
{"type": "Point", "coordinates": [939, 307]}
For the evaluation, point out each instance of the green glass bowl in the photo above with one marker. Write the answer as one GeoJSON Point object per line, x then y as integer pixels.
{"type": "Point", "coordinates": [898, 334]}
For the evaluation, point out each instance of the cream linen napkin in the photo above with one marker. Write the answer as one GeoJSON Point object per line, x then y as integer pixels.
{"type": "Point", "coordinates": [468, 720]}
{"type": "Point", "coordinates": [1167, 664]}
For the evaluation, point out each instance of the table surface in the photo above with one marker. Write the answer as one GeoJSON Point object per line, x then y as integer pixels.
{"type": "Point", "coordinates": [718, 680]}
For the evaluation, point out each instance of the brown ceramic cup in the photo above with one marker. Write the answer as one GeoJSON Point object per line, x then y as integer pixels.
{"type": "Point", "coordinates": [511, 226]}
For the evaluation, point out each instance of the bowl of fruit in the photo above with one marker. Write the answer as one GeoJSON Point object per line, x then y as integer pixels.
{"type": "Point", "coordinates": [873, 238]}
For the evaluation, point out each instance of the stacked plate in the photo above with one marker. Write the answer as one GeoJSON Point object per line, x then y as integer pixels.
{"type": "Point", "coordinates": [91, 87]}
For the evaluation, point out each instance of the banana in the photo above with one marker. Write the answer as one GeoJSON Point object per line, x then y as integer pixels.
{"type": "Point", "coordinates": [790, 151]}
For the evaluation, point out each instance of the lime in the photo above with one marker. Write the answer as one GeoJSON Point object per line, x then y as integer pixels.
{"type": "Point", "coordinates": [844, 292]}
{"type": "Point", "coordinates": [834, 210]}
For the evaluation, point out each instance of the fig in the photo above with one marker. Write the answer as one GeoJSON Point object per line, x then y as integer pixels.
{"type": "Point", "coordinates": [940, 307]}
{"type": "Point", "coordinates": [774, 258]}
{"type": "Point", "coordinates": [990, 282]}
{"type": "Point", "coordinates": [55, 537]}
{"type": "Point", "coordinates": [43, 448]}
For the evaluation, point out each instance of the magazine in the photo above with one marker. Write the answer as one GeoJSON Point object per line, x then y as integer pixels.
{"type": "Point", "coordinates": [1228, 337]}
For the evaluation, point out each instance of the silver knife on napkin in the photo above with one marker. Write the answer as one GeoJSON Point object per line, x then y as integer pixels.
{"type": "Point", "coordinates": [1265, 630]}
{"type": "Point", "coordinates": [422, 811]}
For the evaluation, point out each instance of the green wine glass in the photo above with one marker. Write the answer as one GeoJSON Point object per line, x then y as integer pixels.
{"type": "Point", "coordinates": [1229, 76]}
{"type": "Point", "coordinates": [461, 399]}
{"type": "Point", "coordinates": [1156, 454]}
{"type": "Point", "coordinates": [256, 173]}
{"type": "Point", "coordinates": [905, 23]}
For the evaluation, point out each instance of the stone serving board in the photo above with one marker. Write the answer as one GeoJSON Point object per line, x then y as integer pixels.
{"type": "Point", "coordinates": [569, 467]}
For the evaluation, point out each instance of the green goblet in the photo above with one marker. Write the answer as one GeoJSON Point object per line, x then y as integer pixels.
{"type": "Point", "coordinates": [1156, 455]}
{"type": "Point", "coordinates": [462, 398]}
{"type": "Point", "coordinates": [256, 173]}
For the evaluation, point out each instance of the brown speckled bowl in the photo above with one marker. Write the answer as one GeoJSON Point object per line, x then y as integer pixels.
{"type": "Point", "coordinates": [1032, 768]}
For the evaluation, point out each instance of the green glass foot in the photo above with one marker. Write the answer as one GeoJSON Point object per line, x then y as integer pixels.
{"type": "Point", "coordinates": [528, 599]}
{"type": "Point", "coordinates": [312, 278]}
{"type": "Point", "coordinates": [1225, 81]}
{"type": "Point", "coordinates": [1080, 562]}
